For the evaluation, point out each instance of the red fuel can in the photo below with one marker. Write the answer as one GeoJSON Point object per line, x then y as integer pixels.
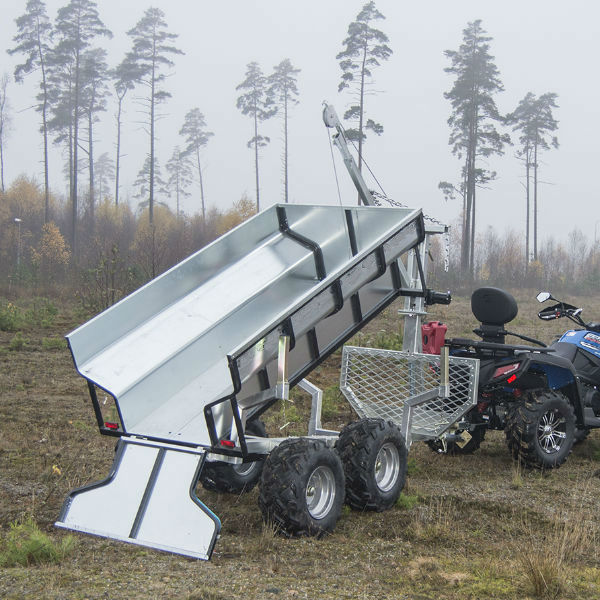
{"type": "Point", "coordinates": [433, 335]}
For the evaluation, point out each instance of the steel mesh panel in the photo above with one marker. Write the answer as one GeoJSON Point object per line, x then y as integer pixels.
{"type": "Point", "coordinates": [378, 383]}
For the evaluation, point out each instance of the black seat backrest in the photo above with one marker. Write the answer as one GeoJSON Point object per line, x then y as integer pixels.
{"type": "Point", "coordinates": [493, 308]}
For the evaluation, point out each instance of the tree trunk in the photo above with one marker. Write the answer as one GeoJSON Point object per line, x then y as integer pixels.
{"type": "Point", "coordinates": [75, 158]}
{"type": "Point", "coordinates": [151, 186]}
{"type": "Point", "coordinates": [91, 168]}
{"type": "Point", "coordinates": [360, 112]}
{"type": "Point", "coordinates": [527, 224]}
{"type": "Point", "coordinates": [151, 182]}
{"type": "Point", "coordinates": [118, 157]}
{"type": "Point", "coordinates": [535, 203]}
{"type": "Point", "coordinates": [44, 130]}
{"type": "Point", "coordinates": [201, 187]}
{"type": "Point", "coordinates": [285, 146]}
{"type": "Point", "coordinates": [177, 192]}
{"type": "Point", "coordinates": [256, 160]}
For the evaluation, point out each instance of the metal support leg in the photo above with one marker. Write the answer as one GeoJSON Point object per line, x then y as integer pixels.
{"type": "Point", "coordinates": [314, 425]}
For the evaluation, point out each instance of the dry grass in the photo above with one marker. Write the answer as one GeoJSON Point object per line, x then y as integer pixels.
{"type": "Point", "coordinates": [475, 526]}
{"type": "Point", "coordinates": [545, 554]}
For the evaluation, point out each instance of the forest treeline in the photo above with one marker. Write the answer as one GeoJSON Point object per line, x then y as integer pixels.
{"type": "Point", "coordinates": [95, 243]}
{"type": "Point", "coordinates": [570, 266]}
{"type": "Point", "coordinates": [120, 253]}
{"type": "Point", "coordinates": [123, 251]}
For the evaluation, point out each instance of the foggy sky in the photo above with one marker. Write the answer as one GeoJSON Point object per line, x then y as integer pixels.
{"type": "Point", "coordinates": [539, 46]}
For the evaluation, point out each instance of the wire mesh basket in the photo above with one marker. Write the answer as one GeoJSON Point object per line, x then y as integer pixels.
{"type": "Point", "coordinates": [383, 383]}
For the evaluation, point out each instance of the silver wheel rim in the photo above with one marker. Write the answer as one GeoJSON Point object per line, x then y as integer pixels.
{"type": "Point", "coordinates": [244, 469]}
{"type": "Point", "coordinates": [320, 492]}
{"type": "Point", "coordinates": [552, 431]}
{"type": "Point", "coordinates": [387, 467]}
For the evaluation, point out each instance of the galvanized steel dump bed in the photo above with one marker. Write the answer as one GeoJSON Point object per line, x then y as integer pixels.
{"type": "Point", "coordinates": [192, 355]}
{"type": "Point", "coordinates": [193, 358]}
{"type": "Point", "coordinates": [203, 337]}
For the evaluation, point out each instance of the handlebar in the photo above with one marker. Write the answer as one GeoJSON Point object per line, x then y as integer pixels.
{"type": "Point", "coordinates": [562, 309]}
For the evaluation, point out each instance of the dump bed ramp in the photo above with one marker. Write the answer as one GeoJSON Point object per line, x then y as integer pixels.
{"type": "Point", "coordinates": [148, 499]}
{"type": "Point", "coordinates": [189, 357]}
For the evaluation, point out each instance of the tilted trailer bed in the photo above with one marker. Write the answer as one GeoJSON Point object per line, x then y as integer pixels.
{"type": "Point", "coordinates": [193, 358]}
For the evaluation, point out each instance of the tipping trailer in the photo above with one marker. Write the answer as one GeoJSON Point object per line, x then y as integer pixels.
{"type": "Point", "coordinates": [193, 358]}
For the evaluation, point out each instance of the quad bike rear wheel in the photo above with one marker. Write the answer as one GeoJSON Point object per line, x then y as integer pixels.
{"type": "Point", "coordinates": [540, 430]}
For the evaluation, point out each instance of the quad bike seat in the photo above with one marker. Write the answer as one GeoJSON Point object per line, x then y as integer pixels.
{"type": "Point", "coordinates": [493, 308]}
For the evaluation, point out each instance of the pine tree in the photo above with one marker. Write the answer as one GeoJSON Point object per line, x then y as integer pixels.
{"type": "Point", "coordinates": [77, 25]}
{"type": "Point", "coordinates": [474, 113]}
{"type": "Point", "coordinates": [33, 41]}
{"type": "Point", "coordinates": [94, 74]}
{"type": "Point", "coordinates": [257, 104]}
{"type": "Point", "coordinates": [124, 78]}
{"type": "Point", "coordinates": [364, 48]}
{"type": "Point", "coordinates": [534, 120]}
{"type": "Point", "coordinates": [142, 183]}
{"type": "Point", "coordinates": [104, 171]}
{"type": "Point", "coordinates": [152, 47]}
{"type": "Point", "coordinates": [179, 169]}
{"type": "Point", "coordinates": [284, 91]}
{"type": "Point", "coordinates": [5, 120]}
{"type": "Point", "coordinates": [196, 137]}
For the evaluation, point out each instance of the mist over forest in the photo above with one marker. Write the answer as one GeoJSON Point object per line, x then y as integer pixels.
{"type": "Point", "coordinates": [126, 212]}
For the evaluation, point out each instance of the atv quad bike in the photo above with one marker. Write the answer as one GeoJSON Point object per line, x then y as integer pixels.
{"type": "Point", "coordinates": [544, 398]}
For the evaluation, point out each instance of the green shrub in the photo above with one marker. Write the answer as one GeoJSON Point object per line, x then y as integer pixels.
{"type": "Point", "coordinates": [10, 317]}
{"type": "Point", "coordinates": [332, 402]}
{"type": "Point", "coordinates": [383, 339]}
{"type": "Point", "coordinates": [56, 343]}
{"type": "Point", "coordinates": [406, 501]}
{"type": "Point", "coordinates": [26, 545]}
{"type": "Point", "coordinates": [18, 342]}
{"type": "Point", "coordinates": [412, 468]}
{"type": "Point", "coordinates": [41, 312]}
{"type": "Point", "coordinates": [388, 340]}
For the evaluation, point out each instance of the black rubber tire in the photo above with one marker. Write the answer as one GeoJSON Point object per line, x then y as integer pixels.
{"type": "Point", "coordinates": [372, 449]}
{"type": "Point", "coordinates": [285, 493]}
{"type": "Point", "coordinates": [218, 476]}
{"type": "Point", "coordinates": [524, 429]}
{"type": "Point", "coordinates": [453, 449]}
{"type": "Point", "coordinates": [581, 434]}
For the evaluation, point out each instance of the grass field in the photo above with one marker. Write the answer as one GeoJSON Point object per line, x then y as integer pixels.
{"type": "Point", "coordinates": [466, 527]}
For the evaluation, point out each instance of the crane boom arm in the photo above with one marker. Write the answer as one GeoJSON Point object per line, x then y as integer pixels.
{"type": "Point", "coordinates": [332, 121]}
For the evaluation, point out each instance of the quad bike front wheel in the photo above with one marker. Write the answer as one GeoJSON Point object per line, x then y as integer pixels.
{"type": "Point", "coordinates": [540, 430]}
